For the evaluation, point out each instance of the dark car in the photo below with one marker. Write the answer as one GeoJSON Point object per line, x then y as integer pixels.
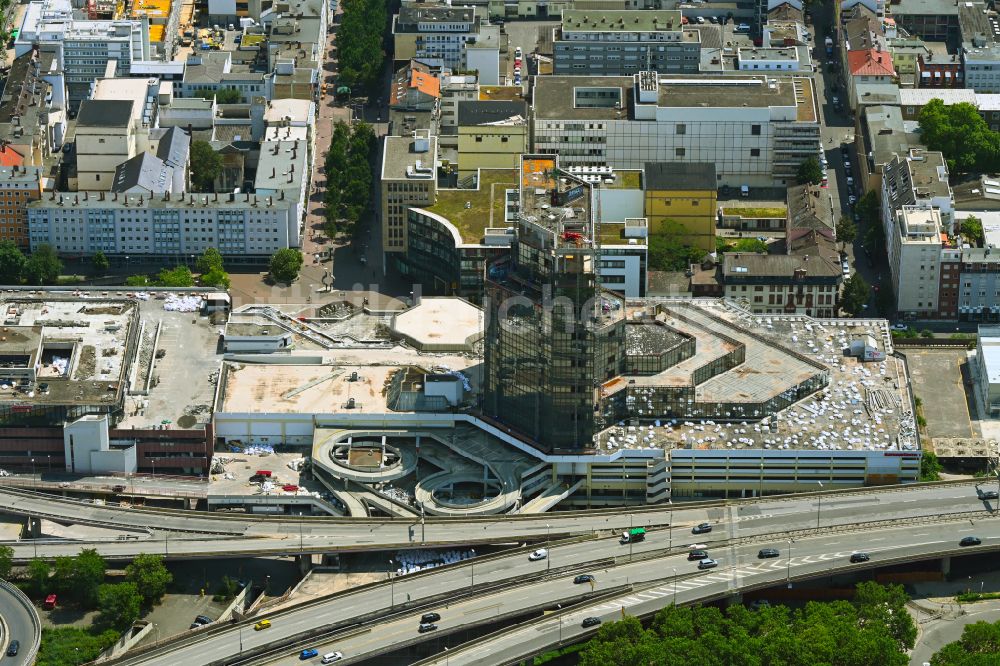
{"type": "Point", "coordinates": [426, 626]}
{"type": "Point", "coordinates": [702, 528]}
{"type": "Point", "coordinates": [988, 494]}
{"type": "Point", "coordinates": [765, 553]}
{"type": "Point", "coordinates": [583, 578]}
{"type": "Point", "coordinates": [429, 618]}
{"type": "Point", "coordinates": [13, 648]}
{"type": "Point", "coordinates": [859, 557]}
{"type": "Point", "coordinates": [697, 555]}
{"type": "Point", "coordinates": [591, 621]}
{"type": "Point", "coordinates": [970, 541]}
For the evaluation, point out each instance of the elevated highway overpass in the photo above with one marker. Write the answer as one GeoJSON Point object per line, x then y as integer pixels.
{"type": "Point", "coordinates": [183, 534]}
{"type": "Point", "coordinates": [380, 618]}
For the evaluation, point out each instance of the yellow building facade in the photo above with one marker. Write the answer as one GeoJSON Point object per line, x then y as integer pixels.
{"type": "Point", "coordinates": [684, 194]}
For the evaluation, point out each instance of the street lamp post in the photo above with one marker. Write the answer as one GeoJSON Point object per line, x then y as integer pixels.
{"type": "Point", "coordinates": [548, 555]}
{"type": "Point", "coordinates": [674, 569]}
{"type": "Point", "coordinates": [788, 565]}
{"type": "Point", "coordinates": [392, 586]}
{"type": "Point", "coordinates": [630, 537]}
{"type": "Point", "coordinates": [473, 563]}
{"type": "Point", "coordinates": [819, 503]}
{"type": "Point", "coordinates": [34, 481]}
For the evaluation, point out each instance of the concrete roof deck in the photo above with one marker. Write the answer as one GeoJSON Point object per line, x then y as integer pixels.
{"type": "Point", "coordinates": [305, 389]}
{"type": "Point", "coordinates": [440, 323]}
{"type": "Point", "coordinates": [487, 204]}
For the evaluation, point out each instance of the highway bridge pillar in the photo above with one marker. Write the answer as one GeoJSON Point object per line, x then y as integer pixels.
{"type": "Point", "coordinates": [33, 527]}
{"type": "Point", "coordinates": [734, 599]}
{"type": "Point", "coordinates": [946, 565]}
{"type": "Point", "coordinates": [305, 563]}
{"type": "Point", "coordinates": [192, 503]}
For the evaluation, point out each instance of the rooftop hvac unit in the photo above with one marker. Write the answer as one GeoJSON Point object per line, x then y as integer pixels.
{"type": "Point", "coordinates": [351, 404]}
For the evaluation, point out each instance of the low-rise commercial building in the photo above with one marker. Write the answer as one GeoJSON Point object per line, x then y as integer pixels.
{"type": "Point", "coordinates": [980, 47]}
{"type": "Point", "coordinates": [756, 131]}
{"type": "Point", "coordinates": [491, 135]}
{"type": "Point", "coordinates": [446, 36]}
{"type": "Point", "coordinates": [408, 178]}
{"type": "Point", "coordinates": [988, 369]}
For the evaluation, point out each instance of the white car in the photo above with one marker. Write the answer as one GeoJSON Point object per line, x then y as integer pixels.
{"type": "Point", "coordinates": [851, 200]}
{"type": "Point", "coordinates": [331, 657]}
{"type": "Point", "coordinates": [539, 554]}
{"type": "Point", "coordinates": [899, 327]}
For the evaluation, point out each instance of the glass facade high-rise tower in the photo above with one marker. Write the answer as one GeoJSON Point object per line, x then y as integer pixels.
{"type": "Point", "coordinates": [553, 337]}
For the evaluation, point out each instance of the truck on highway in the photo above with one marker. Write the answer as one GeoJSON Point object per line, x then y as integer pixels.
{"type": "Point", "coordinates": [634, 535]}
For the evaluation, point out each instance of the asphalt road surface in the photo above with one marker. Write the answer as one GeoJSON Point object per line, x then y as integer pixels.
{"type": "Point", "coordinates": [20, 627]}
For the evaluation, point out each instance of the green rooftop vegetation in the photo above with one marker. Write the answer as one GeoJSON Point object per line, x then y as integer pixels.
{"type": "Point", "coordinates": [252, 40]}
{"type": "Point", "coordinates": [486, 205]}
{"type": "Point", "coordinates": [614, 234]}
{"type": "Point", "coordinates": [756, 212]}
{"type": "Point", "coordinates": [626, 180]}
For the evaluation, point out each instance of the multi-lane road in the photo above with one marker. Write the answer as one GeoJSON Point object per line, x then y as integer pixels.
{"type": "Point", "coordinates": [914, 522]}
{"type": "Point", "coordinates": [20, 623]}
{"type": "Point", "coordinates": [189, 534]}
{"type": "Point", "coordinates": [647, 579]}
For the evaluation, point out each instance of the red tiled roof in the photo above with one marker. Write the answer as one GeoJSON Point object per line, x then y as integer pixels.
{"type": "Point", "coordinates": [870, 62]}
{"type": "Point", "coordinates": [10, 157]}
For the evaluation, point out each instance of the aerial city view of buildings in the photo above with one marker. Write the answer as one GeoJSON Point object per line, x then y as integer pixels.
{"type": "Point", "coordinates": [432, 333]}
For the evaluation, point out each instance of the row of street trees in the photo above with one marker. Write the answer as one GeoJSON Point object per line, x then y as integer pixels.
{"type": "Point", "coordinates": [359, 44]}
{"type": "Point", "coordinates": [209, 265]}
{"type": "Point", "coordinates": [348, 176]}
{"type": "Point", "coordinates": [40, 267]}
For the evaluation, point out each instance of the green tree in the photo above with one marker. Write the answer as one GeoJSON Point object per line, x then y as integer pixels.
{"type": "Point", "coordinates": [961, 134]}
{"type": "Point", "coordinates": [285, 265]}
{"type": "Point", "coordinates": [178, 276]}
{"type": "Point", "coordinates": [6, 561]}
{"type": "Point", "coordinates": [359, 43]}
{"type": "Point", "coordinates": [215, 278]}
{"type": "Point", "coordinates": [978, 646]}
{"type": "Point", "coordinates": [43, 266]}
{"type": "Point", "coordinates": [846, 230]}
{"type": "Point", "coordinates": [856, 293]}
{"type": "Point", "coordinates": [212, 272]}
{"type": "Point", "coordinates": [209, 260]}
{"type": "Point", "coordinates": [868, 208]}
{"type": "Point", "coordinates": [972, 229]}
{"type": "Point", "coordinates": [88, 575]}
{"type": "Point", "coordinates": [809, 171]}
{"type": "Point", "coordinates": [668, 250]}
{"type": "Point", "coordinates": [150, 576]}
{"type": "Point", "coordinates": [12, 262]}
{"type": "Point", "coordinates": [206, 165]}
{"type": "Point", "coordinates": [120, 604]}
{"type": "Point", "coordinates": [137, 281]}
{"type": "Point", "coordinates": [38, 574]}
{"type": "Point", "coordinates": [927, 334]}
{"type": "Point", "coordinates": [885, 605]}
{"type": "Point", "coordinates": [930, 467]}
{"type": "Point", "coordinates": [100, 262]}
{"type": "Point", "coordinates": [62, 575]}
{"type": "Point", "coordinates": [750, 245]}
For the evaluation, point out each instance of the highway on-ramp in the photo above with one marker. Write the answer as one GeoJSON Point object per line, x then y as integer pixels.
{"type": "Point", "coordinates": [20, 623]}
{"type": "Point", "coordinates": [190, 534]}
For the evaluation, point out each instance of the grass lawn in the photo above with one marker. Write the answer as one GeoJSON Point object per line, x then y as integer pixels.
{"type": "Point", "coordinates": [471, 222]}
